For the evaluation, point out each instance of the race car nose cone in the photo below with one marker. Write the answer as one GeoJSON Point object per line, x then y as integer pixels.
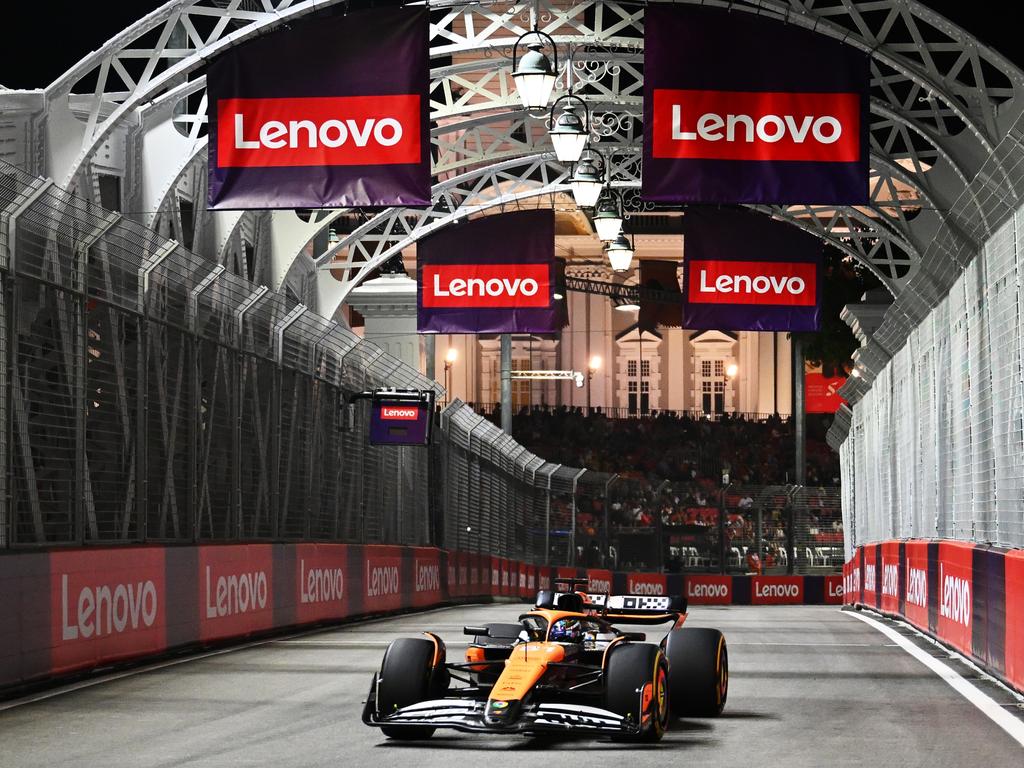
{"type": "Point", "coordinates": [502, 711]}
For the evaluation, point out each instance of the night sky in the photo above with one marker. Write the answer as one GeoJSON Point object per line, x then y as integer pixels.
{"type": "Point", "coordinates": [55, 38]}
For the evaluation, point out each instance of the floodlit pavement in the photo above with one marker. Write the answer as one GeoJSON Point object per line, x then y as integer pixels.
{"type": "Point", "coordinates": [810, 686]}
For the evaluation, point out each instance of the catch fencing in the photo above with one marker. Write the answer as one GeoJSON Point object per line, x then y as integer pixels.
{"type": "Point", "coordinates": [149, 395]}
{"type": "Point", "coordinates": [935, 448]}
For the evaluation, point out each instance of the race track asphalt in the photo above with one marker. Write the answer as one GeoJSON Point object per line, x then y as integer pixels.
{"type": "Point", "coordinates": [811, 687]}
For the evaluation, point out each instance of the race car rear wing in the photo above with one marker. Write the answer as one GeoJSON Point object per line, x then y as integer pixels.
{"type": "Point", "coordinates": [633, 609]}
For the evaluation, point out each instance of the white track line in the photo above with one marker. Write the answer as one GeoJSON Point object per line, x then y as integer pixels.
{"type": "Point", "coordinates": [102, 679]}
{"type": "Point", "coordinates": [1013, 726]}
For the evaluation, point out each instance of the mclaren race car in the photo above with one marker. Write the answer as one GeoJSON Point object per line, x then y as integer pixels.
{"type": "Point", "coordinates": [564, 667]}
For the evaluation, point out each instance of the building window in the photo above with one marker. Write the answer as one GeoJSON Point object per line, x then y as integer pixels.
{"type": "Point", "coordinates": [705, 368]}
{"type": "Point", "coordinates": [645, 368]}
{"type": "Point", "coordinates": [719, 367]}
{"type": "Point", "coordinates": [631, 368]}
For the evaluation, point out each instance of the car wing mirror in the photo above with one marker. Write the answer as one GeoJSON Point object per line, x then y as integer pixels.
{"type": "Point", "coordinates": [635, 636]}
{"type": "Point", "coordinates": [478, 631]}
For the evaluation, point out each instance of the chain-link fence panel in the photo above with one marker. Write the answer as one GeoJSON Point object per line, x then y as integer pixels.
{"type": "Point", "coordinates": [150, 394]}
{"type": "Point", "coordinates": [935, 447]}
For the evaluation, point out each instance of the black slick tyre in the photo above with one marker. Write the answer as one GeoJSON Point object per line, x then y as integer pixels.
{"type": "Point", "coordinates": [636, 686]}
{"type": "Point", "coordinates": [405, 678]}
{"type": "Point", "coordinates": [698, 663]}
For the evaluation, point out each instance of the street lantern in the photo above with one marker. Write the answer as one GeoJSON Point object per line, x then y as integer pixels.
{"type": "Point", "coordinates": [534, 74]}
{"type": "Point", "coordinates": [608, 216]}
{"type": "Point", "coordinates": [587, 181]}
{"type": "Point", "coordinates": [620, 253]}
{"type": "Point", "coordinates": [731, 370]}
{"type": "Point", "coordinates": [569, 132]}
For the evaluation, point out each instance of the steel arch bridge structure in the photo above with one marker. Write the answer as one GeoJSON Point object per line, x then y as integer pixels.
{"type": "Point", "coordinates": [946, 129]}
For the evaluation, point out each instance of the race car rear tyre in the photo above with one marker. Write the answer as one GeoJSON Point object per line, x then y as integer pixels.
{"type": "Point", "coordinates": [406, 677]}
{"type": "Point", "coordinates": [698, 663]}
{"type": "Point", "coordinates": [636, 686]}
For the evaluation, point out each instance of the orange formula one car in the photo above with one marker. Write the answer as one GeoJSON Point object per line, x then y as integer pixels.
{"type": "Point", "coordinates": [562, 668]}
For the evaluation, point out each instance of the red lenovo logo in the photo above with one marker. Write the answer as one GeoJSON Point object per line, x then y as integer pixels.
{"type": "Point", "coordinates": [486, 286]}
{"type": "Point", "coordinates": [770, 283]}
{"type": "Point", "coordinates": [330, 130]}
{"type": "Point", "coordinates": [399, 412]}
{"type": "Point", "coordinates": [740, 125]}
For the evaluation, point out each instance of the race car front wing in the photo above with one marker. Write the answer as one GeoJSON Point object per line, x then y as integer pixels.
{"type": "Point", "coordinates": [465, 714]}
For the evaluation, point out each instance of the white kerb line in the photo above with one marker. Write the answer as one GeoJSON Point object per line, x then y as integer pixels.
{"type": "Point", "coordinates": [988, 706]}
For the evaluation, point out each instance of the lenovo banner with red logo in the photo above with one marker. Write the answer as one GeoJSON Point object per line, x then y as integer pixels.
{"type": "Point", "coordinates": [742, 271]}
{"type": "Point", "coordinates": [733, 113]}
{"type": "Point", "coordinates": [492, 275]}
{"type": "Point", "coordinates": [324, 113]}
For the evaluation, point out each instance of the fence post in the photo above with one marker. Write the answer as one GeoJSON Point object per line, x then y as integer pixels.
{"type": "Point", "coordinates": [791, 537]}
{"type": "Point", "coordinates": [722, 560]}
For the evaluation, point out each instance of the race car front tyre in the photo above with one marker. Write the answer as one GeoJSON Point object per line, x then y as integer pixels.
{"type": "Point", "coordinates": [406, 677]}
{"type": "Point", "coordinates": [698, 663]}
{"type": "Point", "coordinates": [636, 686]}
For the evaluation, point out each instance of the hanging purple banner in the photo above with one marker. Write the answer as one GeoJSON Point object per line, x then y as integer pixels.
{"type": "Point", "coordinates": [744, 271]}
{"type": "Point", "coordinates": [326, 113]}
{"type": "Point", "coordinates": [492, 275]}
{"type": "Point", "coordinates": [739, 108]}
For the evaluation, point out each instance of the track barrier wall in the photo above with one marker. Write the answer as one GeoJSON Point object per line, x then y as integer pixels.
{"type": "Point", "coordinates": [69, 611]}
{"type": "Point", "coordinates": [968, 596]}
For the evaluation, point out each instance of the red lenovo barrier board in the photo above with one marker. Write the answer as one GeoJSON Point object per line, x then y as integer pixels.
{"type": "Point", "coordinates": [889, 569]}
{"type": "Point", "coordinates": [382, 578]}
{"type": "Point", "coordinates": [708, 590]}
{"type": "Point", "coordinates": [834, 590]}
{"type": "Point", "coordinates": [956, 603]}
{"type": "Point", "coordinates": [99, 609]}
{"type": "Point", "coordinates": [915, 592]}
{"type": "Point", "coordinates": [599, 581]}
{"type": "Point", "coordinates": [235, 585]}
{"type": "Point", "coordinates": [646, 584]}
{"type": "Point", "coordinates": [870, 576]}
{"type": "Point", "coordinates": [777, 590]}
{"type": "Point", "coordinates": [321, 588]}
{"type": "Point", "coordinates": [1015, 619]}
{"type": "Point", "coordinates": [104, 609]}
{"type": "Point", "coordinates": [426, 577]}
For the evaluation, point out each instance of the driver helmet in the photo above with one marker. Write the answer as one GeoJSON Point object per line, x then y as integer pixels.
{"type": "Point", "coordinates": [566, 631]}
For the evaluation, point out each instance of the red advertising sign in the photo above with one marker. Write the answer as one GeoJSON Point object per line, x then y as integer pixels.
{"type": "Point", "coordinates": [709, 590]}
{"type": "Point", "coordinates": [890, 575]}
{"type": "Point", "coordinates": [772, 283]}
{"type": "Point", "coordinates": [308, 117]}
{"type": "Point", "coordinates": [851, 580]}
{"type": "Point", "coordinates": [765, 125]}
{"type": "Point", "coordinates": [1015, 618]}
{"type": "Point", "coordinates": [236, 595]}
{"type": "Point", "coordinates": [646, 584]}
{"type": "Point", "coordinates": [104, 608]}
{"type": "Point", "coordinates": [870, 576]}
{"type": "Point", "coordinates": [915, 596]}
{"type": "Point", "coordinates": [599, 581]}
{"type": "Point", "coordinates": [834, 590]}
{"type": "Point", "coordinates": [822, 393]}
{"type": "Point", "coordinates": [956, 598]}
{"type": "Point", "coordinates": [776, 590]}
{"type": "Point", "coordinates": [382, 578]}
{"type": "Point", "coordinates": [321, 591]}
{"type": "Point", "coordinates": [486, 286]}
{"type": "Point", "coordinates": [426, 576]}
{"type": "Point", "coordinates": [325, 130]}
